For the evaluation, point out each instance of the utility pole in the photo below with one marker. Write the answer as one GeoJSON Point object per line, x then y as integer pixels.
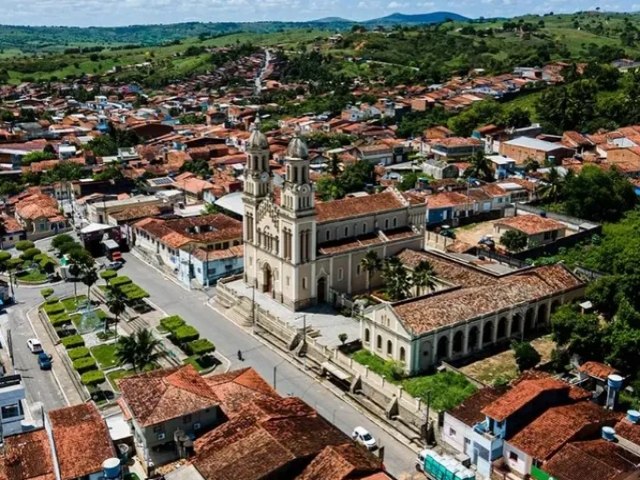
{"type": "Point", "coordinates": [304, 340]}
{"type": "Point", "coordinates": [275, 372]}
{"type": "Point", "coordinates": [427, 420]}
{"type": "Point", "coordinates": [253, 306]}
{"type": "Point", "coordinates": [207, 268]}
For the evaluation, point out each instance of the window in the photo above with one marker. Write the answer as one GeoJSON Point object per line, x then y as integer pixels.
{"type": "Point", "coordinates": [346, 231]}
{"type": "Point", "coordinates": [160, 436]}
{"type": "Point", "coordinates": [452, 432]}
{"type": "Point", "coordinates": [358, 269]}
{"type": "Point", "coordinates": [402, 354]}
{"type": "Point", "coordinates": [328, 234]}
{"type": "Point", "coordinates": [389, 347]}
{"type": "Point", "coordinates": [186, 419]}
{"type": "Point", "coordinates": [379, 342]}
{"type": "Point", "coordinates": [288, 280]}
{"type": "Point", "coordinates": [395, 221]}
{"type": "Point", "coordinates": [340, 274]}
{"type": "Point", "coordinates": [10, 411]}
{"type": "Point", "coordinates": [364, 228]}
{"type": "Point", "coordinates": [304, 283]}
{"type": "Point", "coordinates": [386, 224]}
{"type": "Point", "coordinates": [513, 456]}
{"type": "Point", "coordinates": [197, 426]}
{"type": "Point", "coordinates": [367, 335]}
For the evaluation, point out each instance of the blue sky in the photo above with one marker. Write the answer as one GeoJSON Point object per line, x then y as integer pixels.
{"type": "Point", "coordinates": [128, 12]}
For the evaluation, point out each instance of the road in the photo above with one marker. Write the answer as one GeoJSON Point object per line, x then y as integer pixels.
{"type": "Point", "coordinates": [263, 70]}
{"type": "Point", "coordinates": [290, 380]}
{"type": "Point", "coordinates": [41, 386]}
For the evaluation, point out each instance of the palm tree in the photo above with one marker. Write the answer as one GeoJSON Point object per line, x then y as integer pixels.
{"type": "Point", "coordinates": [396, 280]}
{"type": "Point", "coordinates": [74, 271]}
{"type": "Point", "coordinates": [117, 305]}
{"type": "Point", "coordinates": [424, 276]}
{"type": "Point", "coordinates": [89, 278]}
{"type": "Point", "coordinates": [140, 349]}
{"type": "Point", "coordinates": [480, 167]}
{"type": "Point", "coordinates": [334, 165]}
{"type": "Point", "coordinates": [552, 190]}
{"type": "Point", "coordinates": [371, 263]}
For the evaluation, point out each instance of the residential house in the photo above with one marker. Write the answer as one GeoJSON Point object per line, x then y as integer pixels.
{"type": "Point", "coordinates": [478, 310]}
{"type": "Point", "coordinates": [439, 170]}
{"type": "Point", "coordinates": [455, 148]}
{"type": "Point", "coordinates": [39, 216]}
{"type": "Point", "coordinates": [13, 232]}
{"type": "Point", "coordinates": [195, 189]}
{"type": "Point", "coordinates": [448, 207]}
{"type": "Point", "coordinates": [208, 266]}
{"type": "Point", "coordinates": [502, 166]}
{"type": "Point", "coordinates": [627, 160]}
{"type": "Point", "coordinates": [81, 442]}
{"type": "Point", "coordinates": [163, 239]}
{"type": "Point", "coordinates": [12, 398]}
{"type": "Point", "coordinates": [439, 131]}
{"type": "Point", "coordinates": [539, 230]}
{"type": "Point", "coordinates": [165, 404]}
{"type": "Point", "coordinates": [523, 149]}
{"type": "Point", "coordinates": [27, 456]}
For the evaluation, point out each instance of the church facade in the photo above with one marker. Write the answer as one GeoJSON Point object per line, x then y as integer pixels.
{"type": "Point", "coordinates": [303, 253]}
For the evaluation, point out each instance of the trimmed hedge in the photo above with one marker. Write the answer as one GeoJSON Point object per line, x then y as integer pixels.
{"type": "Point", "coordinates": [133, 292]}
{"type": "Point", "coordinates": [60, 320]}
{"type": "Point", "coordinates": [14, 263]}
{"type": "Point", "coordinates": [72, 341]}
{"type": "Point", "coordinates": [200, 347]}
{"type": "Point", "coordinates": [80, 352]}
{"type": "Point", "coordinates": [46, 292]}
{"type": "Point", "coordinates": [54, 309]}
{"type": "Point", "coordinates": [84, 364]}
{"type": "Point", "coordinates": [185, 334]}
{"type": "Point", "coordinates": [172, 323]}
{"type": "Point", "coordinates": [23, 245]}
{"type": "Point", "coordinates": [120, 281]}
{"type": "Point", "coordinates": [4, 256]}
{"type": "Point", "coordinates": [93, 377]}
{"type": "Point", "coordinates": [30, 253]}
{"type": "Point", "coordinates": [108, 275]}
{"type": "Point", "coordinates": [52, 300]}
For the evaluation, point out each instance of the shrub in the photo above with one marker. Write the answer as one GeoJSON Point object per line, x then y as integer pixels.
{"type": "Point", "coordinates": [172, 323]}
{"type": "Point", "coordinates": [30, 253]}
{"type": "Point", "coordinates": [200, 347]}
{"type": "Point", "coordinates": [4, 256]}
{"type": "Point", "coordinates": [47, 265]}
{"type": "Point", "coordinates": [185, 334]}
{"type": "Point", "coordinates": [65, 332]}
{"type": "Point", "coordinates": [61, 239]}
{"type": "Point", "coordinates": [52, 300]}
{"type": "Point", "coordinates": [120, 281]}
{"type": "Point", "coordinates": [54, 309]}
{"type": "Point", "coordinates": [14, 263]}
{"type": "Point", "coordinates": [84, 364]}
{"type": "Point", "coordinates": [108, 275]}
{"type": "Point", "coordinates": [72, 341]}
{"type": "Point", "coordinates": [92, 378]}
{"type": "Point", "coordinates": [60, 320]}
{"type": "Point", "coordinates": [46, 292]}
{"type": "Point", "coordinates": [24, 245]}
{"type": "Point", "coordinates": [80, 352]}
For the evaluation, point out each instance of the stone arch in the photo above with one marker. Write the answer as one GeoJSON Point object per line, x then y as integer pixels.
{"type": "Point", "coordinates": [367, 335]}
{"type": "Point", "coordinates": [516, 325]}
{"type": "Point", "coordinates": [487, 333]}
{"type": "Point", "coordinates": [379, 342]}
{"type": "Point", "coordinates": [502, 328]}
{"type": "Point", "coordinates": [402, 354]}
{"type": "Point", "coordinates": [389, 347]}
{"type": "Point", "coordinates": [472, 339]}
{"type": "Point", "coordinates": [555, 305]}
{"type": "Point", "coordinates": [542, 316]}
{"type": "Point", "coordinates": [529, 321]}
{"type": "Point", "coordinates": [458, 342]}
{"type": "Point", "coordinates": [443, 347]}
{"type": "Point", "coordinates": [267, 278]}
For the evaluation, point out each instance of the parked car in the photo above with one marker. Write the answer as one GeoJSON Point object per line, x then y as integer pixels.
{"type": "Point", "coordinates": [44, 361]}
{"type": "Point", "coordinates": [34, 345]}
{"type": "Point", "coordinates": [363, 437]}
{"type": "Point", "coordinates": [114, 265]}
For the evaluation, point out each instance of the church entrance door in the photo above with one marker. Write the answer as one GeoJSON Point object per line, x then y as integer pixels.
{"type": "Point", "coordinates": [267, 281]}
{"type": "Point", "coordinates": [322, 290]}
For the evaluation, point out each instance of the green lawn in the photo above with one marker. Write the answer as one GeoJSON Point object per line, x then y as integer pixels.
{"type": "Point", "coordinates": [32, 276]}
{"type": "Point", "coordinates": [71, 304]}
{"type": "Point", "coordinates": [105, 355]}
{"type": "Point", "coordinates": [446, 389]}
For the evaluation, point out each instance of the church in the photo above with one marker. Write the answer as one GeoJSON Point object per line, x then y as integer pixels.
{"type": "Point", "coordinates": [303, 253]}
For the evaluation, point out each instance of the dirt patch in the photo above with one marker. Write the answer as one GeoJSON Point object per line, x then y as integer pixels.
{"type": "Point", "coordinates": [502, 366]}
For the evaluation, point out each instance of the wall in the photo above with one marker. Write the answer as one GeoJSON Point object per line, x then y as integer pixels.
{"type": "Point", "coordinates": [207, 420]}
{"type": "Point", "coordinates": [466, 440]}
{"type": "Point", "coordinates": [521, 464]}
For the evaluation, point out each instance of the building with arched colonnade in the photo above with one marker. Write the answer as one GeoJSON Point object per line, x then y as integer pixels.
{"type": "Point", "coordinates": [476, 309]}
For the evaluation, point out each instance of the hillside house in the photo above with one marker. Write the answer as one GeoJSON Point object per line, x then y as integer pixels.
{"type": "Point", "coordinates": [539, 230]}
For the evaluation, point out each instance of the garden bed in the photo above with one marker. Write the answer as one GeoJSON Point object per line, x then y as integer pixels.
{"type": "Point", "coordinates": [105, 355]}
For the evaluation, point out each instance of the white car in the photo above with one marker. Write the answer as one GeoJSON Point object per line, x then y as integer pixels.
{"type": "Point", "coordinates": [34, 345]}
{"type": "Point", "coordinates": [363, 437]}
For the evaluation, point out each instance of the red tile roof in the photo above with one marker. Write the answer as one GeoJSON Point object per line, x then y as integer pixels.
{"type": "Point", "coordinates": [597, 370]}
{"type": "Point", "coordinates": [531, 224]}
{"type": "Point", "coordinates": [27, 456]}
{"type": "Point", "coordinates": [629, 431]}
{"type": "Point", "coordinates": [447, 199]}
{"type": "Point", "coordinates": [161, 395]}
{"type": "Point", "coordinates": [356, 206]}
{"type": "Point", "coordinates": [469, 412]}
{"type": "Point", "coordinates": [342, 462]}
{"type": "Point", "coordinates": [558, 425]}
{"type": "Point", "coordinates": [82, 440]}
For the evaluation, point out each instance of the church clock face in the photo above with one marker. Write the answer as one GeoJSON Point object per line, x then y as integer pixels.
{"type": "Point", "coordinates": [264, 177]}
{"type": "Point", "coordinates": [304, 189]}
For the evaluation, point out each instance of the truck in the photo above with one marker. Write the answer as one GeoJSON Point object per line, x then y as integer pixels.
{"type": "Point", "coordinates": [442, 467]}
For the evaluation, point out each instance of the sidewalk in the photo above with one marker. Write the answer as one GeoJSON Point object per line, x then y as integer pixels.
{"type": "Point", "coordinates": [63, 377]}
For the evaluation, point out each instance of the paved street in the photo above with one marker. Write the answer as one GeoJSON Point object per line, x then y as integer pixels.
{"type": "Point", "coordinates": [41, 386]}
{"type": "Point", "coordinates": [229, 338]}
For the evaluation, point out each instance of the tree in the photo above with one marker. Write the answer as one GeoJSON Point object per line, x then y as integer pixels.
{"type": "Point", "coordinates": [334, 165]}
{"type": "Point", "coordinates": [89, 278]}
{"type": "Point", "coordinates": [370, 263]}
{"type": "Point", "coordinates": [23, 245]}
{"type": "Point", "coordinates": [527, 357]}
{"type": "Point", "coordinates": [139, 349]}
{"type": "Point", "coordinates": [408, 181]}
{"type": "Point", "coordinates": [343, 338]}
{"type": "Point", "coordinates": [396, 280]}
{"type": "Point", "coordinates": [61, 239]}
{"type": "Point", "coordinates": [210, 208]}
{"type": "Point", "coordinates": [117, 305]}
{"type": "Point", "coordinates": [551, 190]}
{"type": "Point", "coordinates": [514, 240]}
{"type": "Point", "coordinates": [424, 276]}
{"type": "Point", "coordinates": [480, 167]}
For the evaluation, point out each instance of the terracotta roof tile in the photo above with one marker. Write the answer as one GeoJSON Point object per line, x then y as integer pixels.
{"type": "Point", "coordinates": [597, 370]}
{"type": "Point", "coordinates": [27, 456]}
{"type": "Point", "coordinates": [356, 206]}
{"type": "Point", "coordinates": [161, 395]}
{"type": "Point", "coordinates": [629, 431]}
{"type": "Point", "coordinates": [82, 440]}
{"type": "Point", "coordinates": [531, 224]}
{"type": "Point", "coordinates": [342, 462]}
{"type": "Point", "coordinates": [469, 412]}
{"type": "Point", "coordinates": [447, 269]}
{"type": "Point", "coordinates": [447, 199]}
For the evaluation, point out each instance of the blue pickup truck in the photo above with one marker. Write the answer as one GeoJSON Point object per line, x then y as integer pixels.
{"type": "Point", "coordinates": [44, 361]}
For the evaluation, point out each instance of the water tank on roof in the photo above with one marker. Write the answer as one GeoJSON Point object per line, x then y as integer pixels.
{"type": "Point", "coordinates": [609, 434]}
{"type": "Point", "coordinates": [111, 468]}
{"type": "Point", "coordinates": [614, 382]}
{"type": "Point", "coordinates": [633, 416]}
